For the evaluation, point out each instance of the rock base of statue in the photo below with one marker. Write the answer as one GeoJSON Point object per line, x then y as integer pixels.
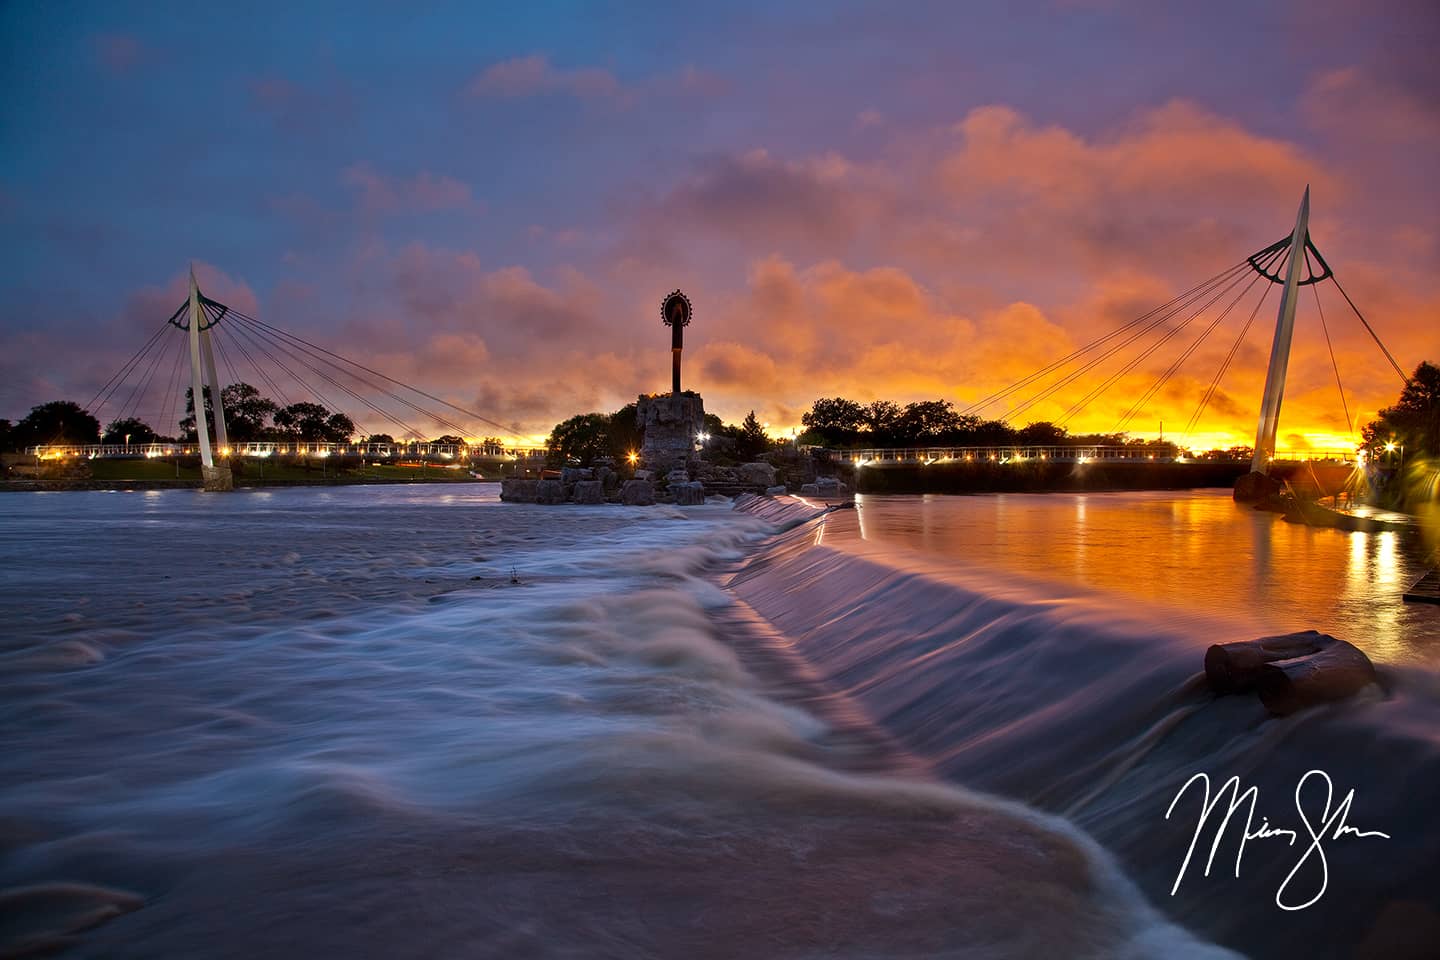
{"type": "Point", "coordinates": [670, 423]}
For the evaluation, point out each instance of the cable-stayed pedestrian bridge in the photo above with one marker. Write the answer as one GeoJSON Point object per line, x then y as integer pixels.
{"type": "Point", "coordinates": [337, 394]}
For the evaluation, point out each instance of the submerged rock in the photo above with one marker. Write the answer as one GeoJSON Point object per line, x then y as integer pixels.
{"type": "Point", "coordinates": [776, 491]}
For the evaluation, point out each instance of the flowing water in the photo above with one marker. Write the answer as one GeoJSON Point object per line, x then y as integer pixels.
{"type": "Point", "coordinates": [412, 721]}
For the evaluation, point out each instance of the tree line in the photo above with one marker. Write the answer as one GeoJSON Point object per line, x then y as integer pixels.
{"type": "Point", "coordinates": [250, 417]}
{"type": "Point", "coordinates": [835, 422]}
{"type": "Point", "coordinates": [839, 423]}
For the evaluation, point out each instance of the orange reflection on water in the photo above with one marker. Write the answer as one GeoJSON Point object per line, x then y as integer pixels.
{"type": "Point", "coordinates": [1197, 552]}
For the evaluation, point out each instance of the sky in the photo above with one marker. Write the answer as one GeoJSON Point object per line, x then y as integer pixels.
{"type": "Point", "coordinates": [872, 200]}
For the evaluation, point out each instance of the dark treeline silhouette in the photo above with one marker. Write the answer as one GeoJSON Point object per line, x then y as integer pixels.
{"type": "Point", "coordinates": [839, 423]}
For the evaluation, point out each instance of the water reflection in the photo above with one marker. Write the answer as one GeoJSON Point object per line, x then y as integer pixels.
{"type": "Point", "coordinates": [1198, 551]}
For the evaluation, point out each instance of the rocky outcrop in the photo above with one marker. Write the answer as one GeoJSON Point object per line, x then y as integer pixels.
{"type": "Point", "coordinates": [589, 492]}
{"type": "Point", "coordinates": [637, 493]}
{"type": "Point", "coordinates": [670, 422]}
{"type": "Point", "coordinates": [759, 473]}
{"type": "Point", "coordinates": [776, 491]}
{"type": "Point", "coordinates": [550, 490]}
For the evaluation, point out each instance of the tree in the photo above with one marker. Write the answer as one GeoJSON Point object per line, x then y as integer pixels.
{"type": "Point", "coordinates": [581, 439]}
{"type": "Point", "coordinates": [6, 433]}
{"type": "Point", "coordinates": [128, 430]}
{"type": "Point", "coordinates": [339, 428]}
{"type": "Point", "coordinates": [928, 421]}
{"type": "Point", "coordinates": [1042, 434]}
{"type": "Point", "coordinates": [187, 426]}
{"type": "Point", "coordinates": [56, 422]}
{"type": "Point", "coordinates": [833, 422]}
{"type": "Point", "coordinates": [379, 438]}
{"type": "Point", "coordinates": [313, 423]}
{"type": "Point", "coordinates": [625, 434]}
{"type": "Point", "coordinates": [752, 439]}
{"type": "Point", "coordinates": [450, 439]}
{"type": "Point", "coordinates": [1414, 420]}
{"type": "Point", "coordinates": [246, 412]}
{"type": "Point", "coordinates": [880, 420]}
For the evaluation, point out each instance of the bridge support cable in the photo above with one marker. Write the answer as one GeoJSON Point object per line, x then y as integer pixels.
{"type": "Point", "coordinates": [131, 406]}
{"type": "Point", "coordinates": [117, 379]}
{"type": "Point", "coordinates": [302, 342]}
{"type": "Point", "coordinates": [1093, 344]}
{"type": "Point", "coordinates": [172, 391]}
{"type": "Point", "coordinates": [323, 400]}
{"type": "Point", "coordinates": [1224, 366]}
{"type": "Point", "coordinates": [319, 354]}
{"type": "Point", "coordinates": [264, 376]}
{"type": "Point", "coordinates": [309, 359]}
{"type": "Point", "coordinates": [1095, 392]}
{"type": "Point", "coordinates": [1213, 292]}
{"type": "Point", "coordinates": [1349, 424]}
{"type": "Point", "coordinates": [1404, 377]}
{"type": "Point", "coordinates": [385, 415]}
{"type": "Point", "coordinates": [1139, 405]}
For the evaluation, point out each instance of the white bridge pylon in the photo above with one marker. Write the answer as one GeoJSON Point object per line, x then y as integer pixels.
{"type": "Point", "coordinates": [202, 362]}
{"type": "Point", "coordinates": [1280, 346]}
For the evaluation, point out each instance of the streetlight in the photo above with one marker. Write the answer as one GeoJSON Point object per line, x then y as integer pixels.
{"type": "Point", "coordinates": [127, 444]}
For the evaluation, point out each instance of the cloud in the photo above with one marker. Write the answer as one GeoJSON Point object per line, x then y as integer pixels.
{"type": "Point", "coordinates": [424, 192]}
{"type": "Point", "coordinates": [869, 117]}
{"type": "Point", "coordinates": [535, 74]}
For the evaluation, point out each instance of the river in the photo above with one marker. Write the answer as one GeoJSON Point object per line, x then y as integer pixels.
{"type": "Point", "coordinates": [414, 721]}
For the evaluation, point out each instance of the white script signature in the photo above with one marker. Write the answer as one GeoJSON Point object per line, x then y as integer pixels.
{"type": "Point", "coordinates": [1330, 825]}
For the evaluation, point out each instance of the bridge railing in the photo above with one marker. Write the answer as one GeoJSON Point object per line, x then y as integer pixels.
{"type": "Point", "coordinates": [263, 449]}
{"type": "Point", "coordinates": [1018, 453]}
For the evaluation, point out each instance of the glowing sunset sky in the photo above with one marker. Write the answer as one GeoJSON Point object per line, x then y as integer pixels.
{"type": "Point", "coordinates": [860, 201]}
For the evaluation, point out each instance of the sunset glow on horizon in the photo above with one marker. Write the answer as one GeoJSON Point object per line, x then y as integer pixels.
{"type": "Point", "coordinates": [862, 202]}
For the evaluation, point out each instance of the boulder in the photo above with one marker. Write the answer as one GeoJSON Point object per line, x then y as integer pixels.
{"type": "Point", "coordinates": [518, 489]}
{"type": "Point", "coordinates": [776, 491]}
{"type": "Point", "coordinates": [809, 490]}
{"type": "Point", "coordinates": [550, 490]}
{"type": "Point", "coordinates": [644, 474]}
{"type": "Point", "coordinates": [688, 494]}
{"type": "Point", "coordinates": [1289, 672]}
{"type": "Point", "coordinates": [576, 474]}
{"type": "Point", "coordinates": [637, 493]}
{"type": "Point", "coordinates": [760, 474]}
{"type": "Point", "coordinates": [608, 478]}
{"type": "Point", "coordinates": [589, 491]}
{"type": "Point", "coordinates": [677, 476]}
